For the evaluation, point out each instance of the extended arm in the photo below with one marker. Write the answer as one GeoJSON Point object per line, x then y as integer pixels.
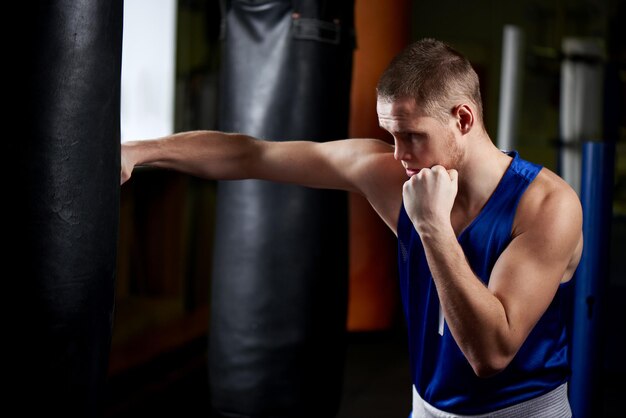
{"type": "Point", "coordinates": [365, 166]}
{"type": "Point", "coordinates": [205, 154]}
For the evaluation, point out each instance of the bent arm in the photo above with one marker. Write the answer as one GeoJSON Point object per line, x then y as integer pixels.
{"type": "Point", "coordinates": [491, 323]}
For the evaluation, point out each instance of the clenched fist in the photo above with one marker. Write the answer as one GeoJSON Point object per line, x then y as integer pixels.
{"type": "Point", "coordinates": [126, 164]}
{"type": "Point", "coordinates": [428, 198]}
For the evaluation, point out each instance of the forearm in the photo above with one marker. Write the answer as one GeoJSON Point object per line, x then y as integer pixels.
{"type": "Point", "coordinates": [476, 318]}
{"type": "Point", "coordinates": [206, 154]}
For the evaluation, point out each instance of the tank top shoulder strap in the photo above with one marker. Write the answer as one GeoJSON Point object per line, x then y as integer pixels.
{"type": "Point", "coordinates": [516, 179]}
{"type": "Point", "coordinates": [524, 168]}
{"type": "Point", "coordinates": [502, 205]}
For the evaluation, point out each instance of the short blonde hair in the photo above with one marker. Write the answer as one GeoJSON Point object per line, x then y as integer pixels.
{"type": "Point", "coordinates": [437, 76]}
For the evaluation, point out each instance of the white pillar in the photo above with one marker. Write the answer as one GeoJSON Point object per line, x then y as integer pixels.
{"type": "Point", "coordinates": [581, 102]}
{"type": "Point", "coordinates": [510, 85]}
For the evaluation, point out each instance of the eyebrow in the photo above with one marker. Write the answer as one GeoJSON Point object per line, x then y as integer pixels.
{"type": "Point", "coordinates": [419, 133]}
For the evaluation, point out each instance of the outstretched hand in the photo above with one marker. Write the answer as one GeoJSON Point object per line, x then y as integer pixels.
{"type": "Point", "coordinates": [126, 165]}
{"type": "Point", "coordinates": [428, 198]}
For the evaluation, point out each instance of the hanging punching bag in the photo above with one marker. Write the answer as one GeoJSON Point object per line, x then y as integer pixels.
{"type": "Point", "coordinates": [279, 289]}
{"type": "Point", "coordinates": [67, 163]}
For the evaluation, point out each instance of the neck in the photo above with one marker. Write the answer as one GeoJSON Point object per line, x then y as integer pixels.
{"type": "Point", "coordinates": [480, 172]}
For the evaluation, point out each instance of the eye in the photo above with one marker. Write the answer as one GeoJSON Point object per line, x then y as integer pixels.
{"type": "Point", "coordinates": [416, 136]}
{"type": "Point", "coordinates": [410, 137]}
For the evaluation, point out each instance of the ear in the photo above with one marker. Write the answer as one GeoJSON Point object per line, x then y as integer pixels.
{"type": "Point", "coordinates": [464, 118]}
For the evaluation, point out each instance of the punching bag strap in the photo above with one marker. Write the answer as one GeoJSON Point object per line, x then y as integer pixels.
{"type": "Point", "coordinates": [327, 10]}
{"type": "Point", "coordinates": [328, 21]}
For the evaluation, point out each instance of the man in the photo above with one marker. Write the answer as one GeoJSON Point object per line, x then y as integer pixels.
{"type": "Point", "coordinates": [487, 241]}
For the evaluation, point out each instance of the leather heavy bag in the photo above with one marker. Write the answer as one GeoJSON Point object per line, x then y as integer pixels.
{"type": "Point", "coordinates": [279, 290]}
{"type": "Point", "coordinates": [68, 163]}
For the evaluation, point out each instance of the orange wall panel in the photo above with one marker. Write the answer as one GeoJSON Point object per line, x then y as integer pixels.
{"type": "Point", "coordinates": [382, 29]}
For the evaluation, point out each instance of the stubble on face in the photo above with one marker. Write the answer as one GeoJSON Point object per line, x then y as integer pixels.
{"type": "Point", "coordinates": [452, 157]}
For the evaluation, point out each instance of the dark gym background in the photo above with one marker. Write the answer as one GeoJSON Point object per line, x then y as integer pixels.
{"type": "Point", "coordinates": [158, 363]}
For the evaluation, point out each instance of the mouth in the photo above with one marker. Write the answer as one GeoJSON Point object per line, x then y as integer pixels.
{"type": "Point", "coordinates": [412, 171]}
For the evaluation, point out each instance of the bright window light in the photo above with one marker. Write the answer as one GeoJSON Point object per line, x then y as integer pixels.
{"type": "Point", "coordinates": [148, 69]}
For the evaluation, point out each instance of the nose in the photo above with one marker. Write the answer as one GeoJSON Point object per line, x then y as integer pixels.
{"type": "Point", "coordinates": [400, 152]}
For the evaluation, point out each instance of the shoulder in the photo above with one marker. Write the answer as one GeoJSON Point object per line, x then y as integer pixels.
{"type": "Point", "coordinates": [374, 155]}
{"type": "Point", "coordinates": [367, 147]}
{"type": "Point", "coordinates": [549, 206]}
{"type": "Point", "coordinates": [550, 189]}
{"type": "Point", "coordinates": [366, 161]}
{"type": "Point", "coordinates": [378, 177]}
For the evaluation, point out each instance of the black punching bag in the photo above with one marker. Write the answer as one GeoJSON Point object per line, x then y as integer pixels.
{"type": "Point", "coordinates": [65, 219]}
{"type": "Point", "coordinates": [279, 290]}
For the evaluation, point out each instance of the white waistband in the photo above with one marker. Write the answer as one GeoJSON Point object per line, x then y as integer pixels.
{"type": "Point", "coordinates": [553, 404]}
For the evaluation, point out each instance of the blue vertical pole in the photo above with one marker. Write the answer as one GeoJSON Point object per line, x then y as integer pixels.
{"type": "Point", "coordinates": [591, 278]}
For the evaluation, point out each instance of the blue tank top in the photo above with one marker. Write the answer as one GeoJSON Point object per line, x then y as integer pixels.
{"type": "Point", "coordinates": [441, 374]}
